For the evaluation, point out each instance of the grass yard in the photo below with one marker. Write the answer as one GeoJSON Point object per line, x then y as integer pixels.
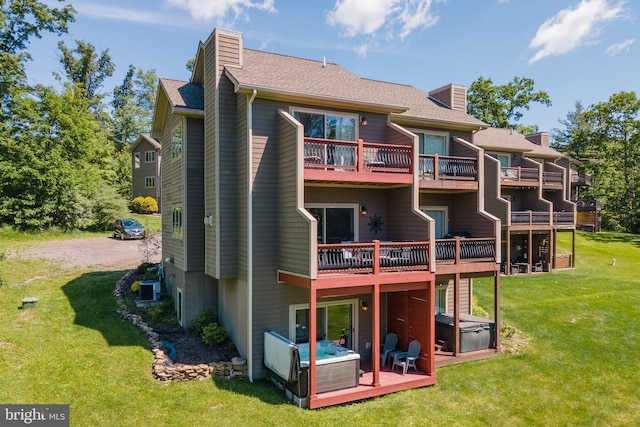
{"type": "Point", "coordinates": [579, 369]}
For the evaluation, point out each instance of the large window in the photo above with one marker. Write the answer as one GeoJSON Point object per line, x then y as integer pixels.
{"type": "Point", "coordinates": [176, 221]}
{"type": "Point", "coordinates": [504, 159]}
{"type": "Point", "coordinates": [340, 126]}
{"type": "Point", "coordinates": [335, 321]}
{"type": "Point", "coordinates": [335, 223]}
{"type": "Point", "coordinates": [176, 142]}
{"type": "Point", "coordinates": [433, 142]}
{"type": "Point", "coordinates": [149, 156]}
{"type": "Point", "coordinates": [440, 215]}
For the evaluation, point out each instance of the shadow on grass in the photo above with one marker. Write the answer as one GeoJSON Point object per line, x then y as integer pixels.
{"type": "Point", "coordinates": [92, 300]}
{"type": "Point", "coordinates": [610, 237]}
{"type": "Point", "coordinates": [261, 389]}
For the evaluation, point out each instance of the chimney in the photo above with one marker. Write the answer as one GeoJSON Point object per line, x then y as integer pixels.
{"type": "Point", "coordinates": [539, 138]}
{"type": "Point", "coordinates": [453, 96]}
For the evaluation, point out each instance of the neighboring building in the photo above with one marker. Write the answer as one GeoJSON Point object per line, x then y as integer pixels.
{"type": "Point", "coordinates": [309, 202]}
{"type": "Point", "coordinates": [534, 200]}
{"type": "Point", "coordinates": [145, 168]}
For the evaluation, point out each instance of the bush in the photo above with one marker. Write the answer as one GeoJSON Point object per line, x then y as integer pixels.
{"type": "Point", "coordinates": [213, 334]}
{"type": "Point", "coordinates": [136, 204]}
{"type": "Point", "coordinates": [144, 205]}
{"type": "Point", "coordinates": [135, 287]}
{"type": "Point", "coordinates": [206, 317]}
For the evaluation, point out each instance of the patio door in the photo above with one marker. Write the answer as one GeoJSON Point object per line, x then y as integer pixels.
{"type": "Point", "coordinates": [439, 214]}
{"type": "Point", "coordinates": [335, 223]}
{"type": "Point", "coordinates": [335, 321]}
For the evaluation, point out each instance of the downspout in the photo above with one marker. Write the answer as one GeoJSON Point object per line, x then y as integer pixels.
{"type": "Point", "coordinates": [250, 236]}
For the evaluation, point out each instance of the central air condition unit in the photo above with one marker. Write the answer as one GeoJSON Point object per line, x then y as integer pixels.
{"type": "Point", "coordinates": [149, 290]}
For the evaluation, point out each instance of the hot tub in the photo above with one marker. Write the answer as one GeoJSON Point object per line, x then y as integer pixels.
{"type": "Point", "coordinates": [476, 333]}
{"type": "Point", "coordinates": [336, 367]}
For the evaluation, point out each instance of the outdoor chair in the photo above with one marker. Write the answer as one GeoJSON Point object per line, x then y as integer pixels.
{"type": "Point", "coordinates": [390, 342]}
{"type": "Point", "coordinates": [408, 358]}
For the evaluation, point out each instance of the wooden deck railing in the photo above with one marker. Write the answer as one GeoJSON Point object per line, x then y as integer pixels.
{"type": "Point", "coordinates": [519, 174]}
{"type": "Point", "coordinates": [434, 166]}
{"type": "Point", "coordinates": [357, 156]}
{"type": "Point", "coordinates": [552, 179]}
{"type": "Point", "coordinates": [357, 258]}
{"type": "Point", "coordinates": [564, 218]}
{"type": "Point", "coordinates": [457, 250]}
{"type": "Point", "coordinates": [530, 218]}
{"type": "Point", "coordinates": [581, 179]}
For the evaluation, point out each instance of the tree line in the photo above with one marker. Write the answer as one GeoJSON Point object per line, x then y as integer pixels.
{"type": "Point", "coordinates": [64, 159]}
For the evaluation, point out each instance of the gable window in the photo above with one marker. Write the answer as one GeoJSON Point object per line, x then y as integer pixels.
{"type": "Point", "coordinates": [149, 156]}
{"type": "Point", "coordinates": [176, 221]}
{"type": "Point", "coordinates": [136, 160]}
{"type": "Point", "coordinates": [176, 142]}
{"type": "Point", "coordinates": [326, 125]}
{"type": "Point", "coordinates": [335, 223]}
{"type": "Point", "coordinates": [149, 181]}
{"type": "Point", "coordinates": [441, 217]}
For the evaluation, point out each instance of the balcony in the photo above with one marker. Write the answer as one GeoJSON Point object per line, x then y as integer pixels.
{"type": "Point", "coordinates": [448, 172]}
{"type": "Point", "coordinates": [530, 218]}
{"type": "Point", "coordinates": [552, 181]}
{"type": "Point", "coordinates": [372, 258]}
{"type": "Point", "coordinates": [519, 176]}
{"type": "Point", "coordinates": [357, 161]}
{"type": "Point", "coordinates": [588, 205]}
{"type": "Point", "coordinates": [564, 219]}
{"type": "Point", "coordinates": [465, 255]}
{"type": "Point", "coordinates": [580, 180]}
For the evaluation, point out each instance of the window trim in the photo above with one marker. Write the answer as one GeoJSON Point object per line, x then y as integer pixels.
{"type": "Point", "coordinates": [425, 132]}
{"type": "Point", "coordinates": [175, 155]}
{"type": "Point", "coordinates": [177, 227]}
{"type": "Point", "coordinates": [354, 302]}
{"type": "Point", "coordinates": [136, 160]}
{"type": "Point", "coordinates": [150, 178]}
{"type": "Point", "coordinates": [496, 154]}
{"type": "Point", "coordinates": [445, 209]}
{"type": "Point", "coordinates": [439, 288]}
{"type": "Point", "coordinates": [147, 155]}
{"type": "Point", "coordinates": [325, 113]}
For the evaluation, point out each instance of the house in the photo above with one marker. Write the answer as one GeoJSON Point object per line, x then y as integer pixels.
{"type": "Point", "coordinates": [145, 168]}
{"type": "Point", "coordinates": [312, 206]}
{"type": "Point", "coordinates": [534, 203]}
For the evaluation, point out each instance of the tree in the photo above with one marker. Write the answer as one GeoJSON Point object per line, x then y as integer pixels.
{"type": "Point", "coordinates": [573, 140]}
{"type": "Point", "coordinates": [20, 21]}
{"type": "Point", "coordinates": [499, 106]}
{"type": "Point", "coordinates": [615, 141]}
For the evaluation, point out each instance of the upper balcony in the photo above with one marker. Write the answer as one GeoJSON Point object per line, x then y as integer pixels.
{"type": "Point", "coordinates": [552, 180]}
{"type": "Point", "coordinates": [357, 162]}
{"type": "Point", "coordinates": [519, 176]}
{"type": "Point", "coordinates": [580, 180]}
{"type": "Point", "coordinates": [449, 172]}
{"type": "Point", "coordinates": [530, 218]}
{"type": "Point", "coordinates": [458, 255]}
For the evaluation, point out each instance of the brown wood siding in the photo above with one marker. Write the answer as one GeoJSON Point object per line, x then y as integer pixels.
{"type": "Point", "coordinates": [459, 98]}
{"type": "Point", "coordinates": [493, 204]}
{"type": "Point", "coordinates": [403, 224]}
{"type": "Point", "coordinates": [210, 85]}
{"type": "Point", "coordinates": [466, 296]}
{"type": "Point", "coordinates": [242, 241]}
{"type": "Point", "coordinates": [173, 194]}
{"type": "Point", "coordinates": [193, 216]}
{"type": "Point", "coordinates": [294, 244]}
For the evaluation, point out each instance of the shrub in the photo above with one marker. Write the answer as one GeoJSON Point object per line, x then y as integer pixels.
{"type": "Point", "coordinates": [144, 205]}
{"type": "Point", "coordinates": [206, 317]}
{"type": "Point", "coordinates": [213, 334]}
{"type": "Point", "coordinates": [135, 287]}
{"type": "Point", "coordinates": [136, 204]}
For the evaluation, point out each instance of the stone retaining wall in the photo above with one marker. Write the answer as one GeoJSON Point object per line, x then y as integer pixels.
{"type": "Point", "coordinates": [163, 368]}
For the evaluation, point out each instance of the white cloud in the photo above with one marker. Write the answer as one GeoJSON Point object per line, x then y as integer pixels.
{"type": "Point", "coordinates": [570, 28]}
{"type": "Point", "coordinates": [367, 17]}
{"type": "Point", "coordinates": [205, 10]}
{"type": "Point", "coordinates": [121, 13]}
{"type": "Point", "coordinates": [617, 48]}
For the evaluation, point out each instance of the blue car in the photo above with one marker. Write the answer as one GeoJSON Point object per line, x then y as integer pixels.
{"type": "Point", "coordinates": [128, 228]}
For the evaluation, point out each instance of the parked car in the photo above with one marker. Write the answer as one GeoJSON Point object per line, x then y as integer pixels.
{"type": "Point", "coordinates": [128, 228]}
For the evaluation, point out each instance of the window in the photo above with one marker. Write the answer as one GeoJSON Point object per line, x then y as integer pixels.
{"type": "Point", "coordinates": [149, 181]}
{"type": "Point", "coordinates": [176, 221]}
{"type": "Point", "coordinates": [441, 217]}
{"type": "Point", "coordinates": [136, 160]}
{"type": "Point", "coordinates": [504, 159]}
{"type": "Point", "coordinates": [340, 126]}
{"type": "Point", "coordinates": [433, 142]}
{"type": "Point", "coordinates": [176, 142]}
{"type": "Point", "coordinates": [335, 223]}
{"type": "Point", "coordinates": [179, 306]}
{"type": "Point", "coordinates": [149, 156]}
{"type": "Point", "coordinates": [441, 299]}
{"type": "Point", "coordinates": [334, 320]}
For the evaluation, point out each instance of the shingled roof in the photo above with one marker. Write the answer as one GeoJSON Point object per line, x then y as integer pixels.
{"type": "Point", "coordinates": [509, 140]}
{"type": "Point", "coordinates": [184, 94]}
{"type": "Point", "coordinates": [287, 75]}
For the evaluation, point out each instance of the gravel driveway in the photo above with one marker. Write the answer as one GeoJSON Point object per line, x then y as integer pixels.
{"type": "Point", "coordinates": [85, 252]}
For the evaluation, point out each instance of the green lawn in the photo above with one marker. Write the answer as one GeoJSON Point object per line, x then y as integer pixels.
{"type": "Point", "coordinates": [579, 369]}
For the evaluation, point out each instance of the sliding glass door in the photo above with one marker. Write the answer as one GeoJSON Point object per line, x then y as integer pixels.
{"type": "Point", "coordinates": [334, 322]}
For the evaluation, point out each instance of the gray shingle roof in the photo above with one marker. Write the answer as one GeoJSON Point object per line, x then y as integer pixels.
{"type": "Point", "coordinates": [184, 94]}
{"type": "Point", "coordinates": [511, 141]}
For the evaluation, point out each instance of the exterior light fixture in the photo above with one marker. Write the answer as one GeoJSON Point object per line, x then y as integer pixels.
{"type": "Point", "coordinates": [363, 121]}
{"type": "Point", "coordinates": [363, 210]}
{"type": "Point", "coordinates": [363, 305]}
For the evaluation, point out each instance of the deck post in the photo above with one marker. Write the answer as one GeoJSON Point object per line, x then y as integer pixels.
{"type": "Point", "coordinates": [496, 308]}
{"type": "Point", "coordinates": [313, 333]}
{"type": "Point", "coordinates": [375, 342]}
{"type": "Point", "coordinates": [456, 314]}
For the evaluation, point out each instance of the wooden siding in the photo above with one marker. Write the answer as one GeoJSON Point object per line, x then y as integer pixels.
{"type": "Point", "coordinates": [210, 87]}
{"type": "Point", "coordinates": [493, 203]}
{"type": "Point", "coordinates": [138, 175]}
{"type": "Point", "coordinates": [466, 294]}
{"type": "Point", "coordinates": [193, 209]}
{"type": "Point", "coordinates": [294, 245]}
{"type": "Point", "coordinates": [403, 223]}
{"type": "Point", "coordinates": [242, 242]}
{"type": "Point", "coordinates": [173, 194]}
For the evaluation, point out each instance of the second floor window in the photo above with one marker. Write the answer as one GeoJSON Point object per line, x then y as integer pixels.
{"type": "Point", "coordinates": [176, 142]}
{"type": "Point", "coordinates": [149, 156]}
{"type": "Point", "coordinates": [136, 160]}
{"type": "Point", "coordinates": [433, 143]}
{"type": "Point", "coordinates": [150, 181]}
{"type": "Point", "coordinates": [327, 125]}
{"type": "Point", "coordinates": [176, 221]}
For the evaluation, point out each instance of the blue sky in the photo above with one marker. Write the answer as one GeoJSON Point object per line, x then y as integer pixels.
{"type": "Point", "coordinates": [574, 50]}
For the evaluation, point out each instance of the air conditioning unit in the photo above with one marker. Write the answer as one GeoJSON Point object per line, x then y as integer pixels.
{"type": "Point", "coordinates": [149, 290]}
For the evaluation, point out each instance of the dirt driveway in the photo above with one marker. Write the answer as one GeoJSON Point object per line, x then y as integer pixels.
{"type": "Point", "coordinates": [102, 252]}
